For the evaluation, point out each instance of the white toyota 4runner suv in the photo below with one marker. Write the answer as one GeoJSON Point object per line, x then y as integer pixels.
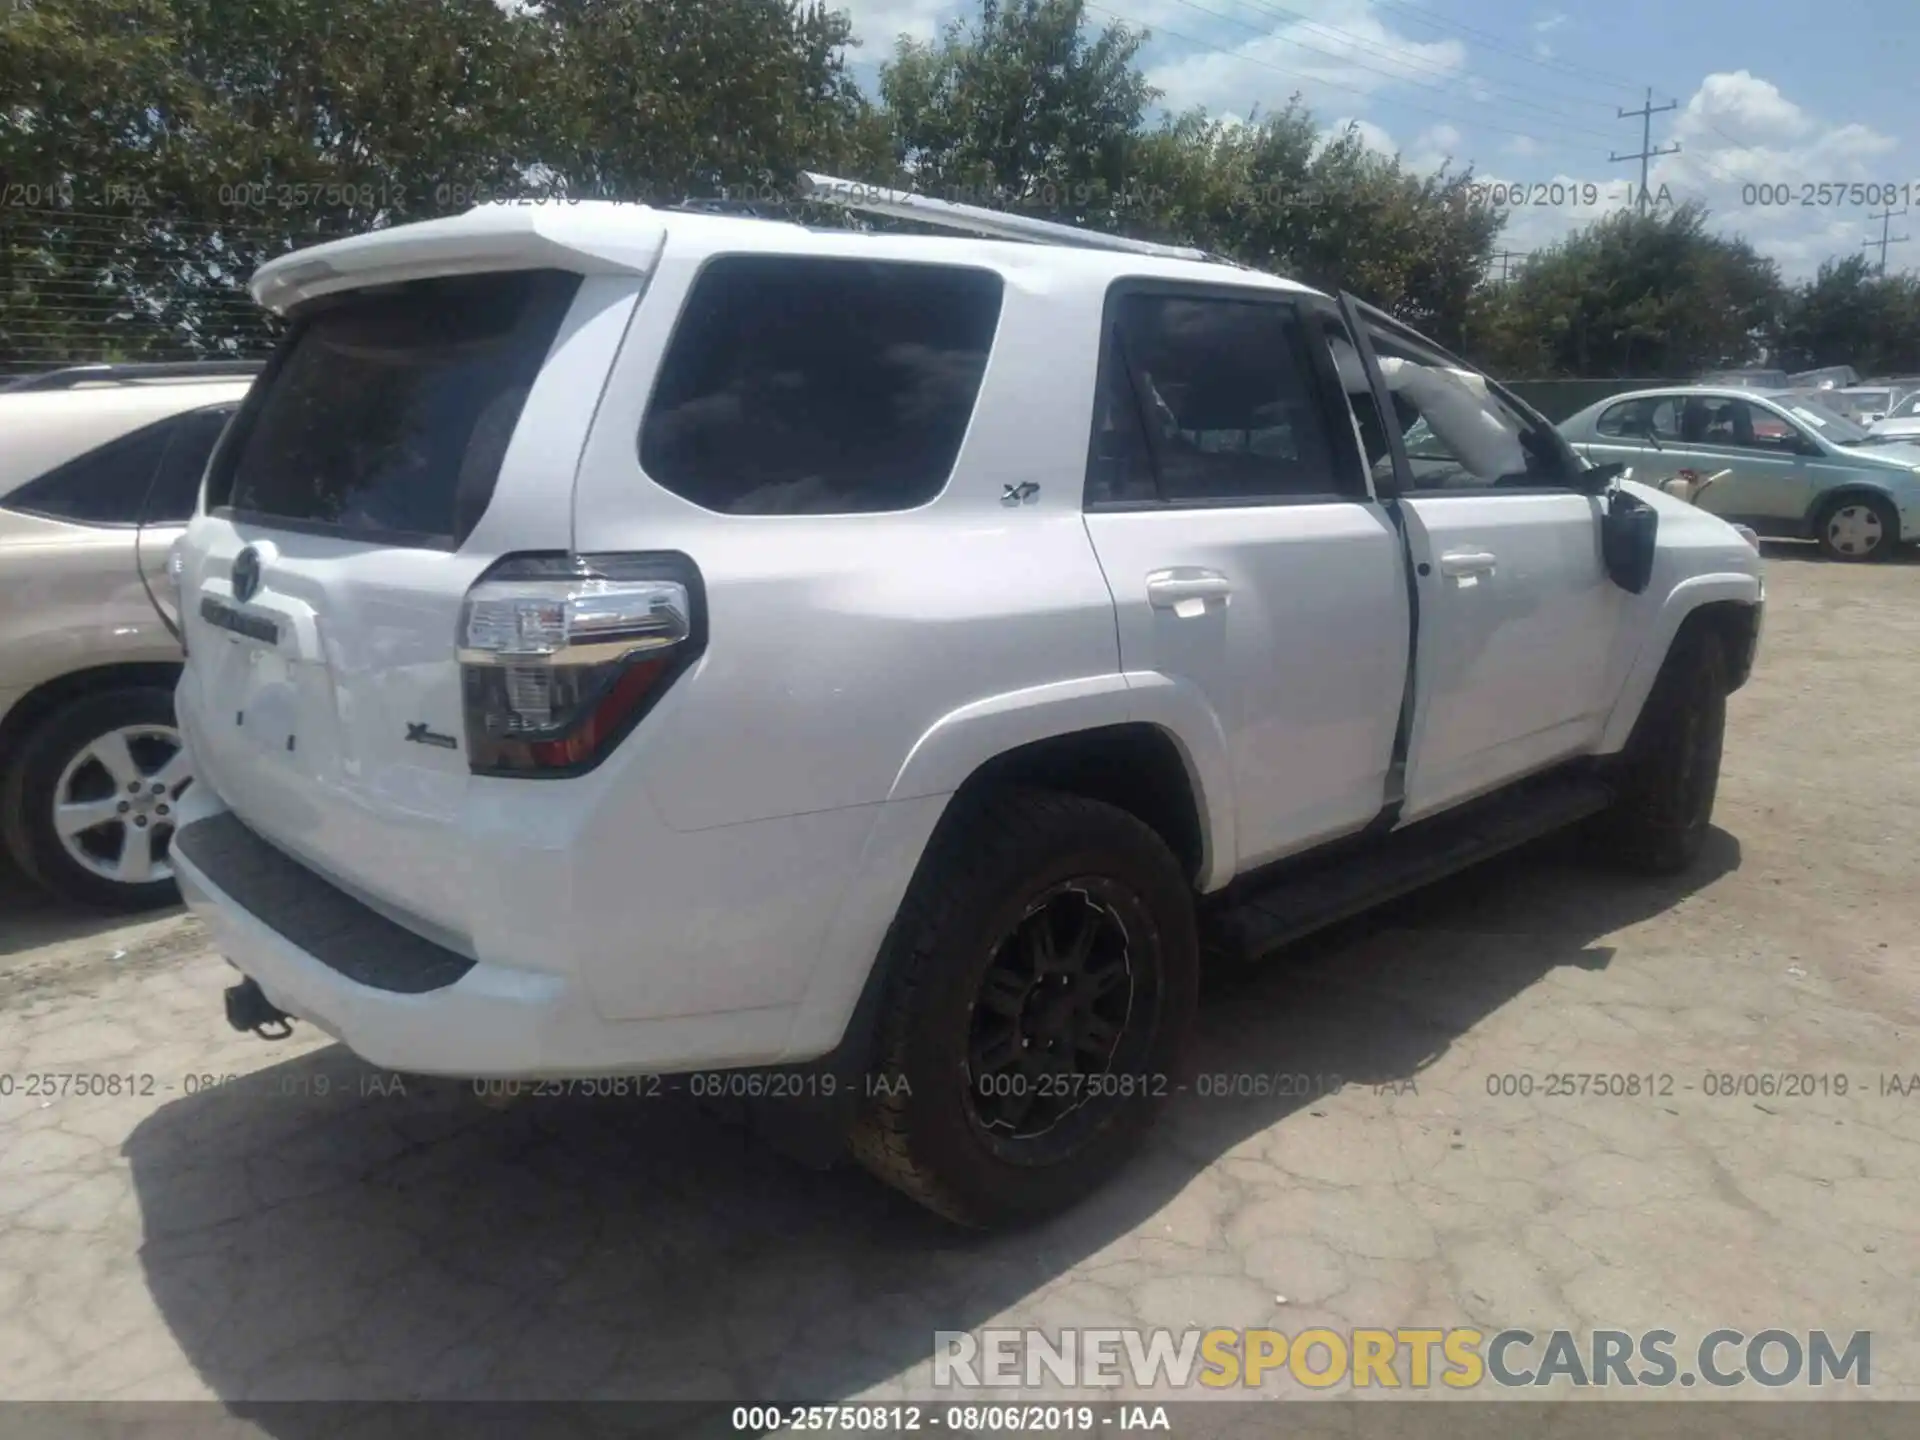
{"type": "Point", "coordinates": [628, 641]}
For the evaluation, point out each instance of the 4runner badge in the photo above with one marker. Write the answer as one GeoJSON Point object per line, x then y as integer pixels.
{"type": "Point", "coordinates": [421, 735]}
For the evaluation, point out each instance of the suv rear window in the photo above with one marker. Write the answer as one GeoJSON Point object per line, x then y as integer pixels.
{"type": "Point", "coordinates": [387, 412]}
{"type": "Point", "coordinates": [817, 386]}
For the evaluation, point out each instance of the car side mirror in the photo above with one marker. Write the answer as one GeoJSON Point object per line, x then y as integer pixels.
{"type": "Point", "coordinates": [1628, 534]}
{"type": "Point", "coordinates": [1598, 479]}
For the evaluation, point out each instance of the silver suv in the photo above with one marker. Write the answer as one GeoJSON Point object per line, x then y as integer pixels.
{"type": "Point", "coordinates": [91, 764]}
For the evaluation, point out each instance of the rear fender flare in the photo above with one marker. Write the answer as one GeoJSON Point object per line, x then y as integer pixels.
{"type": "Point", "coordinates": [963, 740]}
{"type": "Point", "coordinates": [832, 1024]}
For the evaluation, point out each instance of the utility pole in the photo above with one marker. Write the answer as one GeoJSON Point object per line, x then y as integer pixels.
{"type": "Point", "coordinates": [1886, 219]}
{"type": "Point", "coordinates": [1646, 113]}
{"type": "Point", "coordinates": [1503, 256]}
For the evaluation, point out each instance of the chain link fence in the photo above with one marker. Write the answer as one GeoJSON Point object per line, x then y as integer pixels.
{"type": "Point", "coordinates": [79, 286]}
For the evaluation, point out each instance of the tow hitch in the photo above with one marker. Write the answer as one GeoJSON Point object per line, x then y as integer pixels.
{"type": "Point", "coordinates": [249, 1009]}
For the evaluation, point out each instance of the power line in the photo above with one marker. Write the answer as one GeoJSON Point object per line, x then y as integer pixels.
{"type": "Point", "coordinates": [1493, 42]}
{"type": "Point", "coordinates": [1296, 75]}
{"type": "Point", "coordinates": [1503, 256]}
{"type": "Point", "coordinates": [1886, 219]}
{"type": "Point", "coordinates": [1358, 64]}
{"type": "Point", "coordinates": [1360, 42]}
{"type": "Point", "coordinates": [1646, 152]}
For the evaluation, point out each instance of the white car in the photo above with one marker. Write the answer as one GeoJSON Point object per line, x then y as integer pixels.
{"type": "Point", "coordinates": [1865, 404]}
{"type": "Point", "coordinates": [634, 642]}
{"type": "Point", "coordinates": [1902, 422]}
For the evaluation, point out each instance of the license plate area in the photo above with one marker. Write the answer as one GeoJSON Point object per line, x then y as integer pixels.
{"type": "Point", "coordinates": [231, 618]}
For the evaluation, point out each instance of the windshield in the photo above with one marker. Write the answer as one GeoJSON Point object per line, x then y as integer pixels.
{"type": "Point", "coordinates": [1907, 409]}
{"type": "Point", "coordinates": [1815, 411]}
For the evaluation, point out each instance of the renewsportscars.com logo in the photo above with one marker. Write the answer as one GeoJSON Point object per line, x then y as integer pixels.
{"type": "Point", "coordinates": [1394, 1359]}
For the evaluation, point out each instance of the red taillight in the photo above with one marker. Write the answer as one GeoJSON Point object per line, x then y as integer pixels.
{"type": "Point", "coordinates": [605, 720]}
{"type": "Point", "coordinates": [561, 655]}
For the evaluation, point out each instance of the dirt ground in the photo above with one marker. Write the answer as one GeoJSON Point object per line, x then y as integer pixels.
{"type": "Point", "coordinates": [304, 1231]}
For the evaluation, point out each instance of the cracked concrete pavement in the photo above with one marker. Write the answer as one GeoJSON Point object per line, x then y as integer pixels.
{"type": "Point", "coordinates": [305, 1230]}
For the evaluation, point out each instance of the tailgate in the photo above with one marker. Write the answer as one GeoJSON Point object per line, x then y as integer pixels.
{"type": "Point", "coordinates": [402, 440]}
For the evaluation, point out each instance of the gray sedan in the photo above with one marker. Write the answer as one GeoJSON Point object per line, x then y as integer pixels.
{"type": "Point", "coordinates": [1799, 469]}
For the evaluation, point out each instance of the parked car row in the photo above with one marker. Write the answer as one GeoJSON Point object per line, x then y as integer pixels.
{"type": "Point", "coordinates": [1839, 387]}
{"type": "Point", "coordinates": [91, 763]}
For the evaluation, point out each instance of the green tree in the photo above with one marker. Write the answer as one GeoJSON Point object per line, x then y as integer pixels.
{"type": "Point", "coordinates": [1632, 296]}
{"type": "Point", "coordinates": [663, 100]}
{"type": "Point", "coordinates": [193, 139]}
{"type": "Point", "coordinates": [1276, 193]}
{"type": "Point", "coordinates": [1848, 315]}
{"type": "Point", "coordinates": [1025, 107]}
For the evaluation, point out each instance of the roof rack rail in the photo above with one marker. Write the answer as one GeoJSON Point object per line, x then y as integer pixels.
{"type": "Point", "coordinates": [978, 220]}
{"type": "Point", "coordinates": [70, 376]}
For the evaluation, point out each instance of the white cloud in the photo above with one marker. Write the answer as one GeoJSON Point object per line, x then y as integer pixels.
{"type": "Point", "coordinates": [1542, 28]}
{"type": "Point", "coordinates": [1736, 131]}
{"type": "Point", "coordinates": [878, 23]}
{"type": "Point", "coordinates": [1372, 136]}
{"type": "Point", "coordinates": [1433, 147]}
{"type": "Point", "coordinates": [1739, 132]}
{"type": "Point", "coordinates": [1345, 50]}
{"type": "Point", "coordinates": [1739, 100]}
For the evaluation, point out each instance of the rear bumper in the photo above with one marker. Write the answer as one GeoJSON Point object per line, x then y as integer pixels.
{"type": "Point", "coordinates": [400, 1001]}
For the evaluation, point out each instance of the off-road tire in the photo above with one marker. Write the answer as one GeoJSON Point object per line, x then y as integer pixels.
{"type": "Point", "coordinates": [27, 796]}
{"type": "Point", "coordinates": [1883, 511]}
{"type": "Point", "coordinates": [991, 860]}
{"type": "Point", "coordinates": [1669, 771]}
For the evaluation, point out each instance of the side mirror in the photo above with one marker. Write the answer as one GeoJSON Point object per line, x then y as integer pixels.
{"type": "Point", "coordinates": [1597, 479]}
{"type": "Point", "coordinates": [1628, 532]}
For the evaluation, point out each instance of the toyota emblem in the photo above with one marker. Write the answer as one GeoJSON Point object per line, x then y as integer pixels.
{"type": "Point", "coordinates": [246, 574]}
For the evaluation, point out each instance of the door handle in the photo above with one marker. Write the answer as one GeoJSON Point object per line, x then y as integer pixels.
{"type": "Point", "coordinates": [1171, 589]}
{"type": "Point", "coordinates": [1466, 562]}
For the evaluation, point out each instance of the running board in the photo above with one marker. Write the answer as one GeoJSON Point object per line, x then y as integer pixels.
{"type": "Point", "coordinates": [1260, 914]}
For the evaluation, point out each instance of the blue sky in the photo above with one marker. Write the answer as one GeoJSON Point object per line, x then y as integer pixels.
{"type": "Point", "coordinates": [1528, 92]}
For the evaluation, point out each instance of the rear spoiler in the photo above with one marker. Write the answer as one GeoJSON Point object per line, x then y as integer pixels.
{"type": "Point", "coordinates": [586, 236]}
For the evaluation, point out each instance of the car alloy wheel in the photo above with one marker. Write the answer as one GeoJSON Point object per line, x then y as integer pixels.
{"type": "Point", "coordinates": [1052, 1010]}
{"type": "Point", "coordinates": [1855, 530]}
{"type": "Point", "coordinates": [115, 803]}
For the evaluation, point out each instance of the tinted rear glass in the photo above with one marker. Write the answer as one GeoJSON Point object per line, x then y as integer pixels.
{"type": "Point", "coordinates": [177, 486]}
{"type": "Point", "coordinates": [387, 414]}
{"type": "Point", "coordinates": [802, 386]}
{"type": "Point", "coordinates": [105, 486]}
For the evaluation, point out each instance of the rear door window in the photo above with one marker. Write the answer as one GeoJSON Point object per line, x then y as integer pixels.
{"type": "Point", "coordinates": [387, 412]}
{"type": "Point", "coordinates": [819, 386]}
{"type": "Point", "coordinates": [1211, 400]}
{"type": "Point", "coordinates": [151, 475]}
{"type": "Point", "coordinates": [1655, 415]}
